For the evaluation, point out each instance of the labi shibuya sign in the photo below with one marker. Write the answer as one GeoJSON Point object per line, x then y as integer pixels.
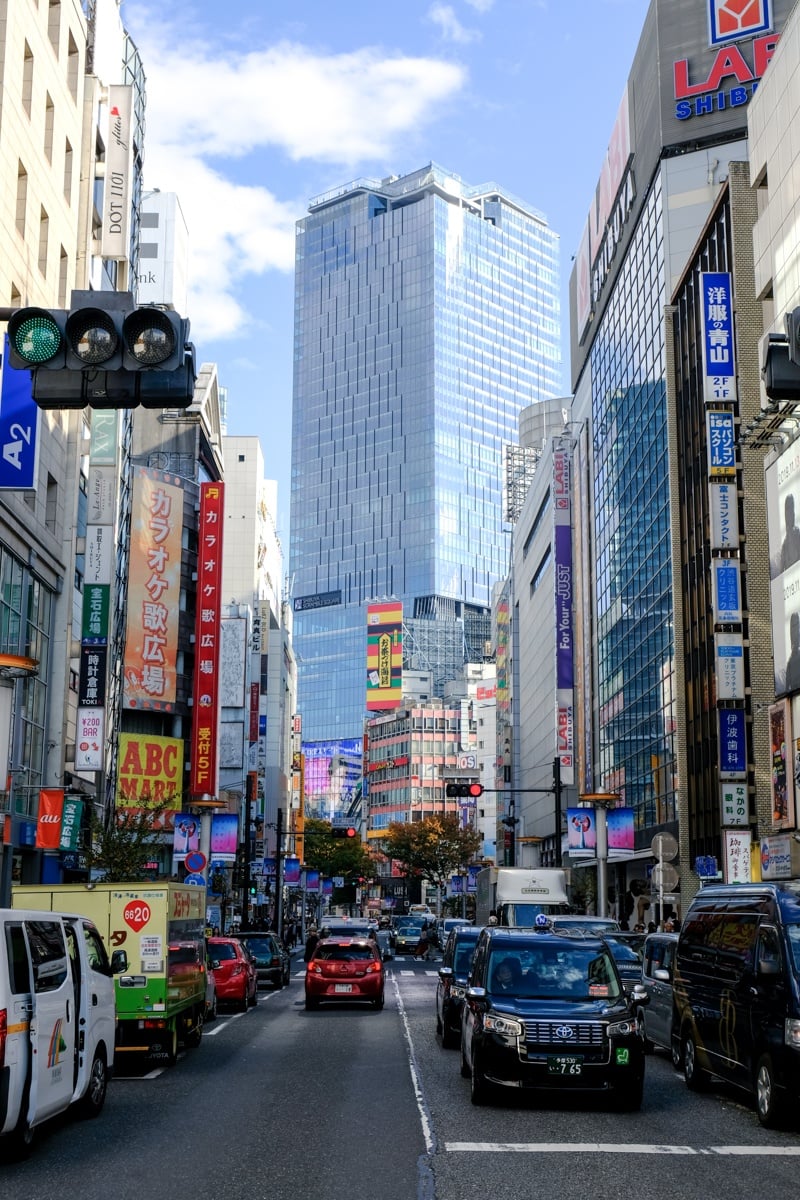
{"type": "Point", "coordinates": [740, 59]}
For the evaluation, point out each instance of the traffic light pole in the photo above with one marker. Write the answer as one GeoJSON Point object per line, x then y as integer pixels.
{"type": "Point", "coordinates": [555, 790]}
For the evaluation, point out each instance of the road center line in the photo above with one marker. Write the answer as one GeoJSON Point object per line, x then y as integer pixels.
{"type": "Point", "coordinates": [613, 1148]}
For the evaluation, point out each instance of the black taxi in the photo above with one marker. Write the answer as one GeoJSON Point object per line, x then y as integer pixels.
{"type": "Point", "coordinates": [549, 1012]}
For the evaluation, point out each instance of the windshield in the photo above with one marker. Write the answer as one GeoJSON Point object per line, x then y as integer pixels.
{"type": "Point", "coordinates": [338, 953]}
{"type": "Point", "coordinates": [793, 937]}
{"type": "Point", "coordinates": [624, 952]}
{"type": "Point", "coordinates": [580, 972]}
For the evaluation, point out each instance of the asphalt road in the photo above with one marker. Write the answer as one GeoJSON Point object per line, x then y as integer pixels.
{"type": "Point", "coordinates": [281, 1104]}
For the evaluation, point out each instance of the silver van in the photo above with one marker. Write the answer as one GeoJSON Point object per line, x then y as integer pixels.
{"type": "Point", "coordinates": [57, 1021]}
{"type": "Point", "coordinates": [655, 1018]}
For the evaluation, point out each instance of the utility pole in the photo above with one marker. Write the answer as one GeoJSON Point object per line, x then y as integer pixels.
{"type": "Point", "coordinates": [557, 794]}
{"type": "Point", "coordinates": [279, 873]}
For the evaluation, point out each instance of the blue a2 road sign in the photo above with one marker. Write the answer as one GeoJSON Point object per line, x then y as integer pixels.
{"type": "Point", "coordinates": [19, 427]}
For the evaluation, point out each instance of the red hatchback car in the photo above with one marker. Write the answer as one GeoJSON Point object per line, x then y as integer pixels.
{"type": "Point", "coordinates": [344, 968]}
{"type": "Point", "coordinates": [235, 974]}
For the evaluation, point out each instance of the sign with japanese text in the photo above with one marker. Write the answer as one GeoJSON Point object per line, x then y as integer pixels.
{"type": "Point", "coordinates": [781, 773]}
{"type": "Point", "coordinates": [727, 591]}
{"type": "Point", "coordinates": [154, 582]}
{"type": "Point", "coordinates": [384, 656]}
{"type": "Point", "coordinates": [732, 743]}
{"type": "Point", "coordinates": [92, 676]}
{"type": "Point", "coordinates": [735, 809]}
{"type": "Point", "coordinates": [719, 364]}
{"type": "Point", "coordinates": [71, 818]}
{"type": "Point", "coordinates": [205, 723]}
{"type": "Point", "coordinates": [737, 856]}
{"type": "Point", "coordinates": [721, 438]}
{"type": "Point", "coordinates": [729, 651]}
{"type": "Point", "coordinates": [89, 739]}
{"type": "Point", "coordinates": [723, 506]}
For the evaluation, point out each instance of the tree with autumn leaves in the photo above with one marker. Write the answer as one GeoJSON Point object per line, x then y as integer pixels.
{"type": "Point", "coordinates": [433, 849]}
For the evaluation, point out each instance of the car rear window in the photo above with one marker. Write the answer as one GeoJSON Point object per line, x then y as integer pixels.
{"type": "Point", "coordinates": [222, 950]}
{"type": "Point", "coordinates": [259, 945]}
{"type": "Point", "coordinates": [344, 953]}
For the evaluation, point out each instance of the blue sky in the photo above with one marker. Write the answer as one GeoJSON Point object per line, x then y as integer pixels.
{"type": "Point", "coordinates": [254, 107]}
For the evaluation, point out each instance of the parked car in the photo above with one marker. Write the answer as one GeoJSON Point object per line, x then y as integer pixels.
{"type": "Point", "coordinates": [235, 977]}
{"type": "Point", "coordinates": [627, 950]}
{"type": "Point", "coordinates": [736, 987]}
{"type": "Point", "coordinates": [452, 985]}
{"type": "Point", "coordinates": [655, 1020]}
{"type": "Point", "coordinates": [343, 968]}
{"type": "Point", "coordinates": [273, 963]}
{"type": "Point", "coordinates": [549, 1012]}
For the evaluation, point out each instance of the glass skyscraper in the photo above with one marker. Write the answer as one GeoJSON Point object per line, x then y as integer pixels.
{"type": "Point", "coordinates": [426, 317]}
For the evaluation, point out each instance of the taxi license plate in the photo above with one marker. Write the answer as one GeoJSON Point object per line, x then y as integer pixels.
{"type": "Point", "coordinates": [564, 1064]}
{"type": "Point", "coordinates": [343, 987]}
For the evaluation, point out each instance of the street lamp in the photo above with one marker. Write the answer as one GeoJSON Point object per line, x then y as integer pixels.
{"type": "Point", "coordinates": [601, 801]}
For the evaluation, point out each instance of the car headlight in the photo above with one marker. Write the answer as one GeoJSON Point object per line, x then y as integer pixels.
{"type": "Point", "coordinates": [458, 992]}
{"type": "Point", "coordinates": [791, 1033]}
{"type": "Point", "coordinates": [627, 1028]}
{"type": "Point", "coordinates": [506, 1026]}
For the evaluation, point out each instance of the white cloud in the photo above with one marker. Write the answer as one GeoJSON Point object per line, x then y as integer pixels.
{"type": "Point", "coordinates": [481, 6]}
{"type": "Point", "coordinates": [450, 27]}
{"type": "Point", "coordinates": [211, 115]}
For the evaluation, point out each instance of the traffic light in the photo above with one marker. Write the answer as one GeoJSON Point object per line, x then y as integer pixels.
{"type": "Point", "coordinates": [343, 831]}
{"type": "Point", "coordinates": [472, 790]}
{"type": "Point", "coordinates": [104, 352]}
{"type": "Point", "coordinates": [781, 375]}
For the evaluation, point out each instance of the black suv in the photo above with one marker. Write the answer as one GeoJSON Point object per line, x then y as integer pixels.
{"type": "Point", "coordinates": [545, 1011]}
{"type": "Point", "coordinates": [452, 985]}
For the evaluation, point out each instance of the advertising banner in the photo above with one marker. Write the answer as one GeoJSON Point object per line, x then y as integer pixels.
{"type": "Point", "coordinates": [581, 832]}
{"type": "Point", "coordinates": [781, 776]}
{"type": "Point", "coordinates": [737, 856]}
{"type": "Point", "coordinates": [727, 591]}
{"type": "Point", "coordinates": [116, 207]}
{"type": "Point", "coordinates": [94, 622]}
{"type": "Point", "coordinates": [149, 771]}
{"type": "Point", "coordinates": [619, 828]}
{"type": "Point", "coordinates": [721, 443]}
{"type": "Point", "coordinates": [734, 803]}
{"type": "Point", "coordinates": [224, 836]}
{"type": "Point", "coordinates": [291, 871]}
{"type": "Point", "coordinates": [723, 506]}
{"type": "Point", "coordinates": [48, 824]}
{"type": "Point", "coordinates": [732, 743]}
{"type": "Point", "coordinates": [71, 818]}
{"type": "Point", "coordinates": [186, 836]}
{"type": "Point", "coordinates": [332, 773]}
{"type": "Point", "coordinates": [153, 591]}
{"type": "Point", "coordinates": [384, 656]}
{"type": "Point", "coordinates": [719, 363]}
{"type": "Point", "coordinates": [89, 739]}
{"type": "Point", "coordinates": [233, 635]}
{"type": "Point", "coordinates": [205, 724]}
{"type": "Point", "coordinates": [782, 479]}
{"type": "Point", "coordinates": [312, 881]}
{"type": "Point", "coordinates": [729, 648]}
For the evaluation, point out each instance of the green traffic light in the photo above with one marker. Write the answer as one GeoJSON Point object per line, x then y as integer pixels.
{"type": "Point", "coordinates": [37, 339]}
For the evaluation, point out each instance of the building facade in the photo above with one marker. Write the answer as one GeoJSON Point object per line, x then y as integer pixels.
{"type": "Point", "coordinates": [677, 130]}
{"type": "Point", "coordinates": [426, 318]}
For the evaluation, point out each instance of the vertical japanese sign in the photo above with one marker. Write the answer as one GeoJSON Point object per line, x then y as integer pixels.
{"type": "Point", "coordinates": [724, 511]}
{"type": "Point", "coordinates": [719, 362]}
{"type": "Point", "coordinates": [95, 614]}
{"type": "Point", "coordinates": [384, 656]}
{"type": "Point", "coordinates": [732, 743]}
{"type": "Point", "coordinates": [563, 586]}
{"type": "Point", "coordinates": [737, 856]}
{"type": "Point", "coordinates": [205, 725]}
{"type": "Point", "coordinates": [151, 645]}
{"type": "Point", "coordinates": [721, 439]}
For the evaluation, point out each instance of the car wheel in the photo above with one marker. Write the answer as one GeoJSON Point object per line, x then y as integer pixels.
{"type": "Point", "coordinates": [768, 1104]}
{"type": "Point", "coordinates": [19, 1144]}
{"type": "Point", "coordinates": [696, 1078]}
{"type": "Point", "coordinates": [312, 1002]}
{"type": "Point", "coordinates": [195, 1035]}
{"type": "Point", "coordinates": [480, 1090]}
{"type": "Point", "coordinates": [244, 1003]}
{"type": "Point", "coordinates": [465, 1071]}
{"type": "Point", "coordinates": [647, 1045]}
{"type": "Point", "coordinates": [172, 1045]}
{"type": "Point", "coordinates": [254, 1001]}
{"type": "Point", "coordinates": [91, 1104]}
{"type": "Point", "coordinates": [378, 1002]}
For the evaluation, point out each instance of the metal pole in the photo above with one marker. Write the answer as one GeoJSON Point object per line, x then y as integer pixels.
{"type": "Point", "coordinates": [279, 873]}
{"type": "Point", "coordinates": [602, 861]}
{"type": "Point", "coordinates": [557, 794]}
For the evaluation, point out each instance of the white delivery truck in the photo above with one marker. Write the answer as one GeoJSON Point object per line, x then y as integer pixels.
{"type": "Point", "coordinates": [57, 1021]}
{"type": "Point", "coordinates": [516, 895]}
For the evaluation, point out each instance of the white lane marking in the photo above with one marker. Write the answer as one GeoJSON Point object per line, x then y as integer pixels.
{"type": "Point", "coordinates": [235, 1016]}
{"type": "Point", "coordinates": [427, 1130]}
{"type": "Point", "coordinates": [613, 1148]}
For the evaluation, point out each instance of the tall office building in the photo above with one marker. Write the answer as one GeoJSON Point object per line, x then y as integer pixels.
{"type": "Point", "coordinates": [426, 317]}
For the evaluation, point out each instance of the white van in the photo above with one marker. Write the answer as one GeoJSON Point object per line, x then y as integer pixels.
{"type": "Point", "coordinates": [57, 1021]}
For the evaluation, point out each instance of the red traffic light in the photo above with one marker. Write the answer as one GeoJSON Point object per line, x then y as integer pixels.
{"type": "Point", "coordinates": [343, 831]}
{"type": "Point", "coordinates": [475, 789]}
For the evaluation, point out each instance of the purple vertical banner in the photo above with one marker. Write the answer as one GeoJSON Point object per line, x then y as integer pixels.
{"type": "Point", "coordinates": [291, 870]}
{"type": "Point", "coordinates": [312, 881]}
{"type": "Point", "coordinates": [327, 887]}
{"type": "Point", "coordinates": [563, 587]}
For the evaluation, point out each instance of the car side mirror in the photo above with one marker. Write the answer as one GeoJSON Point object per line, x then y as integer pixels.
{"type": "Point", "coordinates": [119, 962]}
{"type": "Point", "coordinates": [661, 974]}
{"type": "Point", "coordinates": [640, 994]}
{"type": "Point", "coordinates": [445, 973]}
{"type": "Point", "coordinates": [476, 995]}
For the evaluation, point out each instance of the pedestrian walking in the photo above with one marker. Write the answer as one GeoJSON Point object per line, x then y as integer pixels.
{"type": "Point", "coordinates": [311, 943]}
